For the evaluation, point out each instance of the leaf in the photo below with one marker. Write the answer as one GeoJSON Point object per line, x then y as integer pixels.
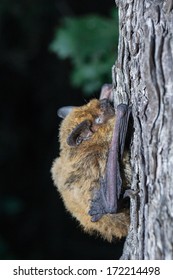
{"type": "Point", "coordinates": [89, 42]}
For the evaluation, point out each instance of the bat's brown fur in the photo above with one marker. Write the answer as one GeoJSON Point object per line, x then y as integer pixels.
{"type": "Point", "coordinates": [77, 172]}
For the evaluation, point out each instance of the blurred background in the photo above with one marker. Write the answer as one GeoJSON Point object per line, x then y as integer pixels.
{"type": "Point", "coordinates": [52, 53]}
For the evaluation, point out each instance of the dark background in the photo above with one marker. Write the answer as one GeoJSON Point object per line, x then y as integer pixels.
{"type": "Point", "coordinates": [33, 84]}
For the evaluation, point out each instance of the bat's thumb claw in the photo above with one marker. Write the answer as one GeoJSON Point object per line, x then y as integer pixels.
{"type": "Point", "coordinates": [130, 193]}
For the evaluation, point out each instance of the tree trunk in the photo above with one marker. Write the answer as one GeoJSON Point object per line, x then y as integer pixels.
{"type": "Point", "coordinates": [144, 71]}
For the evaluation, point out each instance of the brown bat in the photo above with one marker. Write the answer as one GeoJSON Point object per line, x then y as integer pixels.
{"type": "Point", "coordinates": [87, 172]}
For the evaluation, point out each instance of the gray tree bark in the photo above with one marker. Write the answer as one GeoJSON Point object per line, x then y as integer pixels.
{"type": "Point", "coordinates": [144, 71]}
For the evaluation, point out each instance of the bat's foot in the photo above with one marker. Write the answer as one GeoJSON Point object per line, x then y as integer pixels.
{"type": "Point", "coordinates": [99, 205]}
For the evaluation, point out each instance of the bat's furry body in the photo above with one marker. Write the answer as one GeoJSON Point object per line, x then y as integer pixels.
{"type": "Point", "coordinates": [76, 173]}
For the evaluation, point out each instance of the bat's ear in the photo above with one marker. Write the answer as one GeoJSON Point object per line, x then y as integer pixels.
{"type": "Point", "coordinates": [106, 92]}
{"type": "Point", "coordinates": [80, 133]}
{"type": "Point", "coordinates": [64, 111]}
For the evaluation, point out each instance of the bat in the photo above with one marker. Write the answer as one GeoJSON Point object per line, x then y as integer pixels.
{"type": "Point", "coordinates": [88, 171]}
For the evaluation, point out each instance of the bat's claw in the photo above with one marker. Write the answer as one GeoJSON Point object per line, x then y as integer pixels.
{"type": "Point", "coordinates": [130, 193]}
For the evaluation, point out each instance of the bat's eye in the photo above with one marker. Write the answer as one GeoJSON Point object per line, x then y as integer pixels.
{"type": "Point", "coordinates": [98, 120]}
{"type": "Point", "coordinates": [78, 140]}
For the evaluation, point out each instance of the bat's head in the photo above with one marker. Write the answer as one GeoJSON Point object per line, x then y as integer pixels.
{"type": "Point", "coordinates": [88, 126]}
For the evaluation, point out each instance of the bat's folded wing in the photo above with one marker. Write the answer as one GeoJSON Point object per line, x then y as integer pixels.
{"type": "Point", "coordinates": [106, 197]}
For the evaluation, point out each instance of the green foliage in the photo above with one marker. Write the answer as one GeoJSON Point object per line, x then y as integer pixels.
{"type": "Point", "coordinates": [90, 42]}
